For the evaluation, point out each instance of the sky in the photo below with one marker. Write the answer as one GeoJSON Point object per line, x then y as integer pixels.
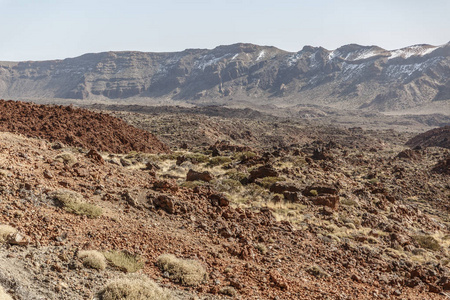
{"type": "Point", "coordinates": [57, 29]}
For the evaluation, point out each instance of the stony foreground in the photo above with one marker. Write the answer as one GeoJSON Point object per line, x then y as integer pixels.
{"type": "Point", "coordinates": [318, 220]}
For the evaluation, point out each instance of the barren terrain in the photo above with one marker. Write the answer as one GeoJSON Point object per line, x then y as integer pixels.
{"type": "Point", "coordinates": [269, 210]}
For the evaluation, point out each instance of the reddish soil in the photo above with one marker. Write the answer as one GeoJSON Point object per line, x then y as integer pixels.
{"type": "Point", "coordinates": [76, 127]}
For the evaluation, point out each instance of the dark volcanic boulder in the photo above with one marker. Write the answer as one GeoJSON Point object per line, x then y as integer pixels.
{"type": "Point", "coordinates": [201, 176]}
{"type": "Point", "coordinates": [262, 172]}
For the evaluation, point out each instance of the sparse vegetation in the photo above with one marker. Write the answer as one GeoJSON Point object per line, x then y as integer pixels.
{"type": "Point", "coordinates": [261, 248]}
{"type": "Point", "coordinates": [135, 288]}
{"type": "Point", "coordinates": [314, 193]}
{"type": "Point", "coordinates": [192, 184]}
{"type": "Point", "coordinates": [228, 291]}
{"type": "Point", "coordinates": [66, 158]}
{"type": "Point", "coordinates": [185, 271]}
{"type": "Point", "coordinates": [219, 160]}
{"type": "Point", "coordinates": [93, 259]}
{"type": "Point", "coordinates": [317, 271]}
{"type": "Point", "coordinates": [74, 203]}
{"type": "Point", "coordinates": [4, 295]}
{"type": "Point", "coordinates": [266, 182]}
{"type": "Point", "coordinates": [244, 155]}
{"type": "Point", "coordinates": [427, 242]}
{"type": "Point", "coordinates": [5, 231]}
{"type": "Point", "coordinates": [125, 261]}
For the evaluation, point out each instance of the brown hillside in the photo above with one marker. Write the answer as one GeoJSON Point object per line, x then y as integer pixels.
{"type": "Point", "coordinates": [438, 137]}
{"type": "Point", "coordinates": [76, 127]}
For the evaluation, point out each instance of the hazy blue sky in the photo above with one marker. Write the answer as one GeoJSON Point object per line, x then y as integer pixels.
{"type": "Point", "coordinates": [50, 29]}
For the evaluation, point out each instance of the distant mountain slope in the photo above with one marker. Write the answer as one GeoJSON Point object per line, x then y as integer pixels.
{"type": "Point", "coordinates": [351, 76]}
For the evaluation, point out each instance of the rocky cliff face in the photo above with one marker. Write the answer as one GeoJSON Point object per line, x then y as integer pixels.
{"type": "Point", "coordinates": [351, 76]}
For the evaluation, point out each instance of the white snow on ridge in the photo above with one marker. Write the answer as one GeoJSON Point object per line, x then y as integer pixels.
{"type": "Point", "coordinates": [205, 62]}
{"type": "Point", "coordinates": [366, 54]}
{"type": "Point", "coordinates": [397, 71]}
{"type": "Point", "coordinates": [293, 59]}
{"type": "Point", "coordinates": [333, 54]}
{"type": "Point", "coordinates": [354, 55]}
{"type": "Point", "coordinates": [352, 70]}
{"type": "Point", "coordinates": [234, 57]}
{"type": "Point", "coordinates": [412, 51]}
{"type": "Point", "coordinates": [261, 55]}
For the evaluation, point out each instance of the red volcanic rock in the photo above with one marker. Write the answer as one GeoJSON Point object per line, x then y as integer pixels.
{"type": "Point", "coordinates": [76, 127]}
{"type": "Point", "coordinates": [202, 176]}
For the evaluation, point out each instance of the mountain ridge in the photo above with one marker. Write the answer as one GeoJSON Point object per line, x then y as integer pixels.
{"type": "Point", "coordinates": [350, 77]}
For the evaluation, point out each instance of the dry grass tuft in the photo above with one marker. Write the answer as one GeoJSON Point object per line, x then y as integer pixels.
{"type": "Point", "coordinates": [135, 288]}
{"type": "Point", "coordinates": [4, 295]}
{"type": "Point", "coordinates": [186, 271]}
{"type": "Point", "coordinates": [125, 261]}
{"type": "Point", "coordinates": [73, 203]}
{"type": "Point", "coordinates": [219, 160]}
{"type": "Point", "coordinates": [93, 259]}
{"type": "Point", "coordinates": [317, 271]}
{"type": "Point", "coordinates": [427, 242]}
{"type": "Point", "coordinates": [261, 248]}
{"type": "Point", "coordinates": [5, 230]}
{"type": "Point", "coordinates": [66, 158]}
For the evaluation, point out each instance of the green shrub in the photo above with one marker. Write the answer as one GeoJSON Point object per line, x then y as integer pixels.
{"type": "Point", "coordinates": [198, 157]}
{"type": "Point", "coordinates": [314, 193]}
{"type": "Point", "coordinates": [93, 259]}
{"type": "Point", "coordinates": [235, 175]}
{"type": "Point", "coordinates": [135, 288]}
{"type": "Point", "coordinates": [73, 202]}
{"type": "Point", "coordinates": [244, 155]}
{"type": "Point", "coordinates": [266, 182]}
{"type": "Point", "coordinates": [219, 160]}
{"type": "Point", "coordinates": [427, 242]}
{"type": "Point", "coordinates": [192, 184]}
{"type": "Point", "coordinates": [125, 261]}
{"type": "Point", "coordinates": [186, 271]}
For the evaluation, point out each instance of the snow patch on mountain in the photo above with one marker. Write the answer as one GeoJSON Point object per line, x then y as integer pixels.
{"type": "Point", "coordinates": [417, 50]}
{"type": "Point", "coordinates": [261, 55]}
{"type": "Point", "coordinates": [209, 60]}
{"type": "Point", "coordinates": [293, 59]}
{"type": "Point", "coordinates": [407, 70]}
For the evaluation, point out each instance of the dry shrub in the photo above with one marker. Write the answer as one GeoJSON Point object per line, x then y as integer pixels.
{"type": "Point", "coordinates": [5, 230]}
{"type": "Point", "coordinates": [219, 160]}
{"type": "Point", "coordinates": [427, 242]}
{"type": "Point", "coordinates": [261, 248]}
{"type": "Point", "coordinates": [93, 259]}
{"type": "Point", "coordinates": [244, 155]}
{"type": "Point", "coordinates": [125, 261]}
{"type": "Point", "coordinates": [228, 291]}
{"type": "Point", "coordinates": [135, 288]}
{"type": "Point", "coordinates": [4, 295]}
{"type": "Point", "coordinates": [186, 271]}
{"type": "Point", "coordinates": [66, 158]}
{"type": "Point", "coordinates": [266, 182]}
{"type": "Point", "coordinates": [73, 202]}
{"type": "Point", "coordinates": [317, 271]}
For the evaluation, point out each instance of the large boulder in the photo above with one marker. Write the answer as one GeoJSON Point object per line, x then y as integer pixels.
{"type": "Point", "coordinates": [199, 176]}
{"type": "Point", "coordinates": [262, 172]}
